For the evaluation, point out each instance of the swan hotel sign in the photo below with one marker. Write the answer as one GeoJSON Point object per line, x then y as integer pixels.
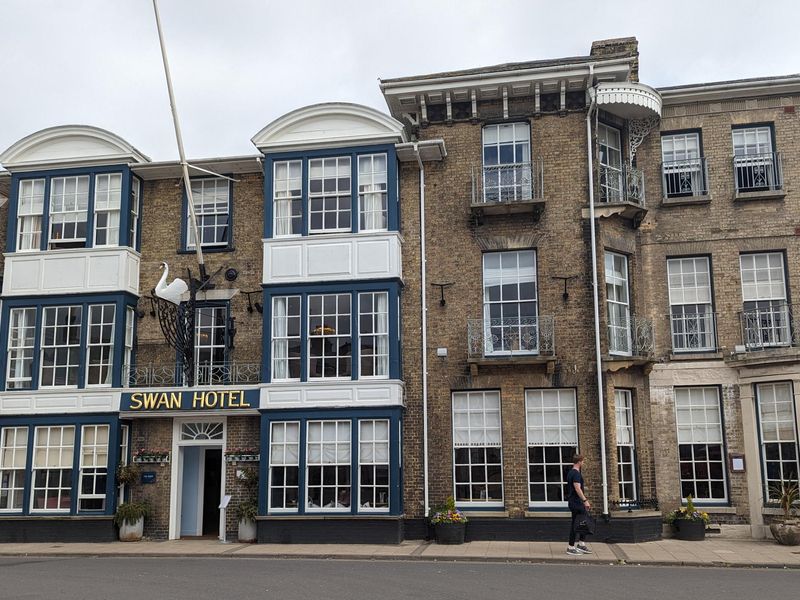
{"type": "Point", "coordinates": [197, 400]}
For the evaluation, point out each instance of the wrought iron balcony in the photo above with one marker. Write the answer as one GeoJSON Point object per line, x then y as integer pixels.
{"type": "Point", "coordinates": [758, 172]}
{"type": "Point", "coordinates": [768, 327]}
{"type": "Point", "coordinates": [621, 184]}
{"type": "Point", "coordinates": [515, 336]}
{"type": "Point", "coordinates": [694, 332]}
{"type": "Point", "coordinates": [171, 374]}
{"type": "Point", "coordinates": [685, 178]}
{"type": "Point", "coordinates": [508, 188]}
{"type": "Point", "coordinates": [630, 336]}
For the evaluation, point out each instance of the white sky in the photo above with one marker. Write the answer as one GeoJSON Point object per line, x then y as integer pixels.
{"type": "Point", "coordinates": [239, 64]}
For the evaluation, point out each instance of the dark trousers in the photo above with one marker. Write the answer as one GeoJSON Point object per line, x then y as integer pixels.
{"type": "Point", "coordinates": [576, 514]}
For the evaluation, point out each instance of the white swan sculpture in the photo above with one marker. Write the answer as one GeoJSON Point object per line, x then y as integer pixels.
{"type": "Point", "coordinates": [173, 291]}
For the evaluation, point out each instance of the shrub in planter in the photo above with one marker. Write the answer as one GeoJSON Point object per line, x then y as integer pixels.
{"type": "Point", "coordinates": [130, 520]}
{"type": "Point", "coordinates": [786, 528]}
{"type": "Point", "coordinates": [246, 514]}
{"type": "Point", "coordinates": [449, 523]}
{"type": "Point", "coordinates": [688, 522]}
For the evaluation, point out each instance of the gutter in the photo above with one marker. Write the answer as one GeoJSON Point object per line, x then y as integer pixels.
{"type": "Point", "coordinates": [595, 294]}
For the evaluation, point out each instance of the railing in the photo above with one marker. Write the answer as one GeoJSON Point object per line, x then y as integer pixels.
{"type": "Point", "coordinates": [694, 332]}
{"type": "Point", "coordinates": [769, 327]}
{"type": "Point", "coordinates": [630, 336]}
{"type": "Point", "coordinates": [758, 172]}
{"type": "Point", "coordinates": [621, 184]}
{"type": "Point", "coordinates": [513, 336]}
{"type": "Point", "coordinates": [682, 178]}
{"type": "Point", "coordinates": [515, 182]}
{"type": "Point", "coordinates": [171, 374]}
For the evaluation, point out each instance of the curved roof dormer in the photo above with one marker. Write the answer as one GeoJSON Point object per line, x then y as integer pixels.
{"type": "Point", "coordinates": [69, 146]}
{"type": "Point", "coordinates": [329, 125]}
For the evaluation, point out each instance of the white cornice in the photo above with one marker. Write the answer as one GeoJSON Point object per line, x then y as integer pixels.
{"type": "Point", "coordinates": [69, 145]}
{"type": "Point", "coordinates": [328, 125]}
{"type": "Point", "coordinates": [723, 90]}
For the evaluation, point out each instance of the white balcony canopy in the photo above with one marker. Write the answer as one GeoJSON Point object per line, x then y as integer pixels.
{"type": "Point", "coordinates": [629, 100]}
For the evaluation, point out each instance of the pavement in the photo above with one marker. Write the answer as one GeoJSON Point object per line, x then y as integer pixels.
{"type": "Point", "coordinates": [668, 552]}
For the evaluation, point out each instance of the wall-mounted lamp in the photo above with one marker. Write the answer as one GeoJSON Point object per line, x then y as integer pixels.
{"type": "Point", "coordinates": [250, 304]}
{"type": "Point", "coordinates": [565, 295]}
{"type": "Point", "coordinates": [441, 287]}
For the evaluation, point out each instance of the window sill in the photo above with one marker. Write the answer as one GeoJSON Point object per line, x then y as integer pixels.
{"type": "Point", "coordinates": [548, 514]}
{"type": "Point", "coordinates": [60, 516]}
{"type": "Point", "coordinates": [765, 195]}
{"type": "Point", "coordinates": [484, 514]}
{"type": "Point", "coordinates": [715, 510]}
{"type": "Point", "coordinates": [207, 250]}
{"type": "Point", "coordinates": [710, 355]}
{"type": "Point", "coordinates": [686, 200]}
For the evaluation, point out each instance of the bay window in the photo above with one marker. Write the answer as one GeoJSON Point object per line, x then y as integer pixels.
{"type": "Point", "coordinates": [372, 192]}
{"type": "Point", "coordinates": [100, 342]}
{"type": "Point", "coordinates": [284, 465]}
{"type": "Point", "coordinates": [328, 462]}
{"type": "Point", "coordinates": [69, 203]}
{"type": "Point", "coordinates": [329, 194]}
{"type": "Point", "coordinates": [21, 346]}
{"type": "Point", "coordinates": [288, 198]}
{"type": "Point", "coordinates": [477, 448]}
{"type": "Point", "coordinates": [13, 462]}
{"type": "Point", "coordinates": [329, 338]}
{"type": "Point", "coordinates": [60, 346]}
{"type": "Point", "coordinates": [373, 322]}
{"type": "Point", "coordinates": [93, 468]}
{"type": "Point", "coordinates": [53, 452]}
{"type": "Point", "coordinates": [373, 464]}
{"type": "Point", "coordinates": [29, 214]}
{"type": "Point", "coordinates": [107, 202]}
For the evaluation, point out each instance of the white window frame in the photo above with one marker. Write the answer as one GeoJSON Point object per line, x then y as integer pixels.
{"type": "Point", "coordinates": [73, 363]}
{"type": "Point", "coordinates": [323, 337]}
{"type": "Point", "coordinates": [280, 458]}
{"type": "Point", "coordinates": [689, 282]}
{"type": "Point", "coordinates": [213, 371]}
{"type": "Point", "coordinates": [204, 208]}
{"type": "Point", "coordinates": [13, 446]}
{"type": "Point", "coordinates": [287, 198]}
{"type": "Point", "coordinates": [477, 425]}
{"type": "Point", "coordinates": [617, 286]}
{"type": "Point", "coordinates": [104, 344]}
{"type": "Point", "coordinates": [93, 464]}
{"type": "Point", "coordinates": [514, 334]}
{"type": "Point", "coordinates": [282, 339]}
{"type": "Point", "coordinates": [341, 446]}
{"type": "Point", "coordinates": [62, 462]}
{"type": "Point", "coordinates": [74, 213]}
{"type": "Point", "coordinates": [127, 358]}
{"type": "Point", "coordinates": [682, 164]}
{"type": "Point", "coordinates": [505, 181]}
{"type": "Point", "coordinates": [764, 288]}
{"type": "Point", "coordinates": [21, 346]}
{"type": "Point", "coordinates": [560, 433]}
{"type": "Point", "coordinates": [108, 202]}
{"type": "Point", "coordinates": [341, 197]}
{"type": "Point", "coordinates": [373, 192]}
{"type": "Point", "coordinates": [133, 226]}
{"type": "Point", "coordinates": [626, 443]}
{"type": "Point", "coordinates": [609, 144]}
{"type": "Point", "coordinates": [30, 212]}
{"type": "Point", "coordinates": [782, 431]}
{"type": "Point", "coordinates": [370, 445]}
{"type": "Point", "coordinates": [699, 423]}
{"type": "Point", "coordinates": [376, 318]}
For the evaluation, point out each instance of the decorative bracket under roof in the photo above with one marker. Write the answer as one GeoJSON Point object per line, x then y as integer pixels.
{"type": "Point", "coordinates": [637, 131]}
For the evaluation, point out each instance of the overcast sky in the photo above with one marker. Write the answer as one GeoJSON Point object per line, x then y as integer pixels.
{"type": "Point", "coordinates": [239, 64]}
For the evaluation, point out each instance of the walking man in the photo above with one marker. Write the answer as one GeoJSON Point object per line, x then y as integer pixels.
{"type": "Point", "coordinates": [578, 505]}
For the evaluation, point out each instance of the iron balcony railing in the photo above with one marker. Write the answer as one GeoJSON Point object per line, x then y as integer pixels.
{"type": "Point", "coordinates": [682, 178]}
{"type": "Point", "coordinates": [768, 327]}
{"type": "Point", "coordinates": [511, 336]}
{"type": "Point", "coordinates": [694, 332]}
{"type": "Point", "coordinates": [621, 184]}
{"type": "Point", "coordinates": [171, 374]}
{"type": "Point", "coordinates": [631, 336]}
{"type": "Point", "coordinates": [758, 172]}
{"type": "Point", "coordinates": [516, 182]}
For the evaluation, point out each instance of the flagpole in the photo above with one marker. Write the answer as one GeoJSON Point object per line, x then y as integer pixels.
{"type": "Point", "coordinates": [184, 165]}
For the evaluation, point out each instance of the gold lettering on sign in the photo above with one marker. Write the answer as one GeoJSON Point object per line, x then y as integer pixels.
{"type": "Point", "coordinates": [155, 401]}
{"type": "Point", "coordinates": [200, 400]}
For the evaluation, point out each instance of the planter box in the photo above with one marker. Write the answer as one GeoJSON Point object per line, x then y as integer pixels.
{"type": "Point", "coordinates": [131, 533]}
{"type": "Point", "coordinates": [147, 460]}
{"type": "Point", "coordinates": [234, 458]}
{"type": "Point", "coordinates": [786, 534]}
{"type": "Point", "coordinates": [690, 531]}
{"type": "Point", "coordinates": [450, 533]}
{"type": "Point", "coordinates": [248, 532]}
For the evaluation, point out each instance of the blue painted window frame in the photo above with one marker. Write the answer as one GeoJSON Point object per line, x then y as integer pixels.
{"type": "Point", "coordinates": [121, 301]}
{"type": "Point", "coordinates": [124, 209]}
{"type": "Point", "coordinates": [185, 249]}
{"type": "Point", "coordinates": [390, 286]}
{"type": "Point", "coordinates": [395, 417]}
{"type": "Point", "coordinates": [392, 181]}
{"type": "Point", "coordinates": [112, 420]}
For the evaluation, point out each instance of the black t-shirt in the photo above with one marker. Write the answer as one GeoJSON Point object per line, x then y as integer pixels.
{"type": "Point", "coordinates": [573, 498]}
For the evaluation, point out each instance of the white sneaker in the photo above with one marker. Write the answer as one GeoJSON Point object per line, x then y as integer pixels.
{"type": "Point", "coordinates": [573, 551]}
{"type": "Point", "coordinates": [582, 549]}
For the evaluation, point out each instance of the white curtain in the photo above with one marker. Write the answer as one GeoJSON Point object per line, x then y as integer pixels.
{"type": "Point", "coordinates": [283, 216]}
{"type": "Point", "coordinates": [30, 232]}
{"type": "Point", "coordinates": [382, 335]}
{"type": "Point", "coordinates": [372, 207]}
{"type": "Point", "coordinates": [280, 345]}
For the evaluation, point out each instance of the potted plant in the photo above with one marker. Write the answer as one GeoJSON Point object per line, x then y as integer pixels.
{"type": "Point", "coordinates": [688, 522]}
{"type": "Point", "coordinates": [130, 520]}
{"type": "Point", "coordinates": [449, 523]}
{"type": "Point", "coordinates": [247, 511]}
{"type": "Point", "coordinates": [786, 528]}
{"type": "Point", "coordinates": [127, 474]}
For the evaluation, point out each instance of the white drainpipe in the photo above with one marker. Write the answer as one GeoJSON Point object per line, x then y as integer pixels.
{"type": "Point", "coordinates": [424, 311]}
{"type": "Point", "coordinates": [598, 356]}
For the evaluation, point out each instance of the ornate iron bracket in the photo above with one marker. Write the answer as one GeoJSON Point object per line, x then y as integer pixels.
{"type": "Point", "coordinates": [637, 131]}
